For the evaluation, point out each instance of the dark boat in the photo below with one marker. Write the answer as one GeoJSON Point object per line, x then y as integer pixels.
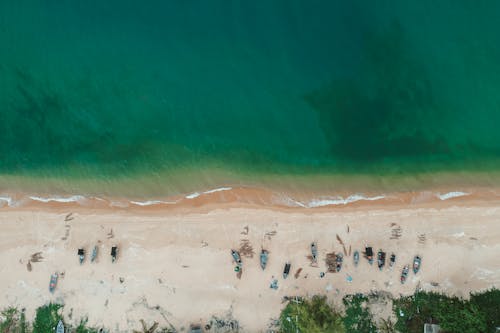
{"type": "Point", "coordinates": [381, 259]}
{"type": "Point", "coordinates": [369, 254]}
{"type": "Point", "coordinates": [286, 270]}
{"type": "Point", "coordinates": [339, 258]}
{"type": "Point", "coordinates": [263, 258]}
{"type": "Point", "coordinates": [314, 252]}
{"type": "Point", "coordinates": [417, 261]}
{"type": "Point", "coordinates": [392, 261]}
{"type": "Point", "coordinates": [404, 274]}
{"type": "Point", "coordinates": [81, 255]}
{"type": "Point", "coordinates": [53, 282]}
{"type": "Point", "coordinates": [356, 258]}
{"type": "Point", "coordinates": [114, 253]}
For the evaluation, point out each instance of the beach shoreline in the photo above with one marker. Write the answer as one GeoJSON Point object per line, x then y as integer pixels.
{"type": "Point", "coordinates": [175, 266]}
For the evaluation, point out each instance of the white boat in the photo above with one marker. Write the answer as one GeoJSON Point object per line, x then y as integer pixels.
{"type": "Point", "coordinates": [60, 327]}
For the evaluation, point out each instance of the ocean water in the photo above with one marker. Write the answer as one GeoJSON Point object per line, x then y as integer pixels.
{"type": "Point", "coordinates": [163, 97]}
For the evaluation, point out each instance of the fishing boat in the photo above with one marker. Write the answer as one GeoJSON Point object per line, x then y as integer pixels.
{"type": "Point", "coordinates": [60, 327]}
{"type": "Point", "coordinates": [53, 282]}
{"type": "Point", "coordinates": [392, 260]}
{"type": "Point", "coordinates": [263, 258]}
{"type": "Point", "coordinates": [314, 252]}
{"type": "Point", "coordinates": [404, 274]}
{"type": "Point", "coordinates": [114, 253]}
{"type": "Point", "coordinates": [369, 254]}
{"type": "Point", "coordinates": [381, 259]}
{"type": "Point", "coordinates": [416, 264]}
{"type": "Point", "coordinates": [93, 256]}
{"type": "Point", "coordinates": [286, 270]}
{"type": "Point", "coordinates": [81, 255]}
{"type": "Point", "coordinates": [339, 258]}
{"type": "Point", "coordinates": [356, 258]}
{"type": "Point", "coordinates": [236, 257]}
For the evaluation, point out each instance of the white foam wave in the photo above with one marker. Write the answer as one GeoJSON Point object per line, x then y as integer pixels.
{"type": "Point", "coordinates": [151, 202]}
{"type": "Point", "coordinates": [7, 200]}
{"type": "Point", "coordinates": [74, 198]}
{"type": "Point", "coordinates": [193, 195]}
{"type": "Point", "coordinates": [197, 194]}
{"type": "Point", "coordinates": [340, 200]}
{"type": "Point", "coordinates": [450, 195]}
{"type": "Point", "coordinates": [218, 190]}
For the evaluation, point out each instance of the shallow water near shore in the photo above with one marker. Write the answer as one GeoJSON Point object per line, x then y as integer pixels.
{"type": "Point", "coordinates": [176, 97]}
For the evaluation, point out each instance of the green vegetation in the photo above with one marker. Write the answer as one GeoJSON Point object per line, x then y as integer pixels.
{"type": "Point", "coordinates": [82, 327]}
{"type": "Point", "coordinates": [312, 316]}
{"type": "Point", "coordinates": [479, 314]}
{"type": "Point", "coordinates": [47, 318]}
{"type": "Point", "coordinates": [357, 317]}
{"type": "Point", "coordinates": [488, 304]}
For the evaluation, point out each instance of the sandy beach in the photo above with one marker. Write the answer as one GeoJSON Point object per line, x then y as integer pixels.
{"type": "Point", "coordinates": [175, 266]}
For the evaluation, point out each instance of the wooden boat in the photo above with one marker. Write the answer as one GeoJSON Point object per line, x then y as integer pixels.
{"type": "Point", "coordinates": [286, 270]}
{"type": "Point", "coordinates": [53, 282]}
{"type": "Point", "coordinates": [417, 261]}
{"type": "Point", "coordinates": [81, 255]}
{"type": "Point", "coordinates": [381, 259]}
{"type": "Point", "coordinates": [339, 259]}
{"type": "Point", "coordinates": [60, 327]}
{"type": "Point", "coordinates": [236, 257]}
{"type": "Point", "coordinates": [404, 274]}
{"type": "Point", "coordinates": [369, 254]}
{"type": "Point", "coordinates": [314, 252]}
{"type": "Point", "coordinates": [392, 261]}
{"type": "Point", "coordinates": [93, 256]}
{"type": "Point", "coordinates": [114, 253]}
{"type": "Point", "coordinates": [263, 258]}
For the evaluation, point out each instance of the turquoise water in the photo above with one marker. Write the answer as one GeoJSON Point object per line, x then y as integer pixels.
{"type": "Point", "coordinates": [118, 90]}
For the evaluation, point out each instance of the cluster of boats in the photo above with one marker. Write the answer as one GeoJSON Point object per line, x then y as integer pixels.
{"type": "Point", "coordinates": [81, 258]}
{"type": "Point", "coordinates": [339, 259]}
{"type": "Point", "coordinates": [381, 258]}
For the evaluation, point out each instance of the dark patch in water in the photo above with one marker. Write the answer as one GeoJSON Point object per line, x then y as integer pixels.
{"type": "Point", "coordinates": [388, 111]}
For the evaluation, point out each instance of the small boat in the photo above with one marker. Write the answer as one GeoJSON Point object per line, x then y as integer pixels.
{"type": "Point", "coordinates": [286, 270]}
{"type": "Point", "coordinates": [339, 258]}
{"type": "Point", "coordinates": [93, 256]}
{"type": "Point", "coordinates": [53, 282]}
{"type": "Point", "coordinates": [381, 259]}
{"type": "Point", "coordinates": [60, 327]}
{"type": "Point", "coordinates": [356, 258]}
{"type": "Point", "coordinates": [392, 261]}
{"type": "Point", "coordinates": [369, 254]}
{"type": "Point", "coordinates": [114, 253]}
{"type": "Point", "coordinates": [416, 264]}
{"type": "Point", "coordinates": [314, 252]}
{"type": "Point", "coordinates": [404, 273]}
{"type": "Point", "coordinates": [81, 255]}
{"type": "Point", "coordinates": [263, 258]}
{"type": "Point", "coordinates": [236, 257]}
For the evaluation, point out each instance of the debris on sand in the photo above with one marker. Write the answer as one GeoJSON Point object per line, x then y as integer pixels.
{"type": "Point", "coordinates": [28, 266]}
{"type": "Point", "coordinates": [110, 234]}
{"type": "Point", "coordinates": [36, 257]}
{"type": "Point", "coordinates": [297, 273]}
{"type": "Point", "coordinates": [225, 324]}
{"type": "Point", "coordinates": [270, 234]}
{"type": "Point", "coordinates": [246, 249]}
{"type": "Point", "coordinates": [245, 230]}
{"type": "Point", "coordinates": [68, 217]}
{"type": "Point", "coordinates": [331, 262]}
{"type": "Point", "coordinates": [396, 231]}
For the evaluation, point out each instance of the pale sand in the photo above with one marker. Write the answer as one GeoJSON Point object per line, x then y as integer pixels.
{"type": "Point", "coordinates": [189, 252]}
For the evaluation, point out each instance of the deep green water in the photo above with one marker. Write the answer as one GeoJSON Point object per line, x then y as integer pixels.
{"type": "Point", "coordinates": [115, 90]}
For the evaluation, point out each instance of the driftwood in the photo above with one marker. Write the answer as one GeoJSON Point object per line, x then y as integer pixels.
{"type": "Point", "coordinates": [36, 257]}
{"type": "Point", "coordinates": [331, 262]}
{"type": "Point", "coordinates": [246, 249]}
{"type": "Point", "coordinates": [297, 273]}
